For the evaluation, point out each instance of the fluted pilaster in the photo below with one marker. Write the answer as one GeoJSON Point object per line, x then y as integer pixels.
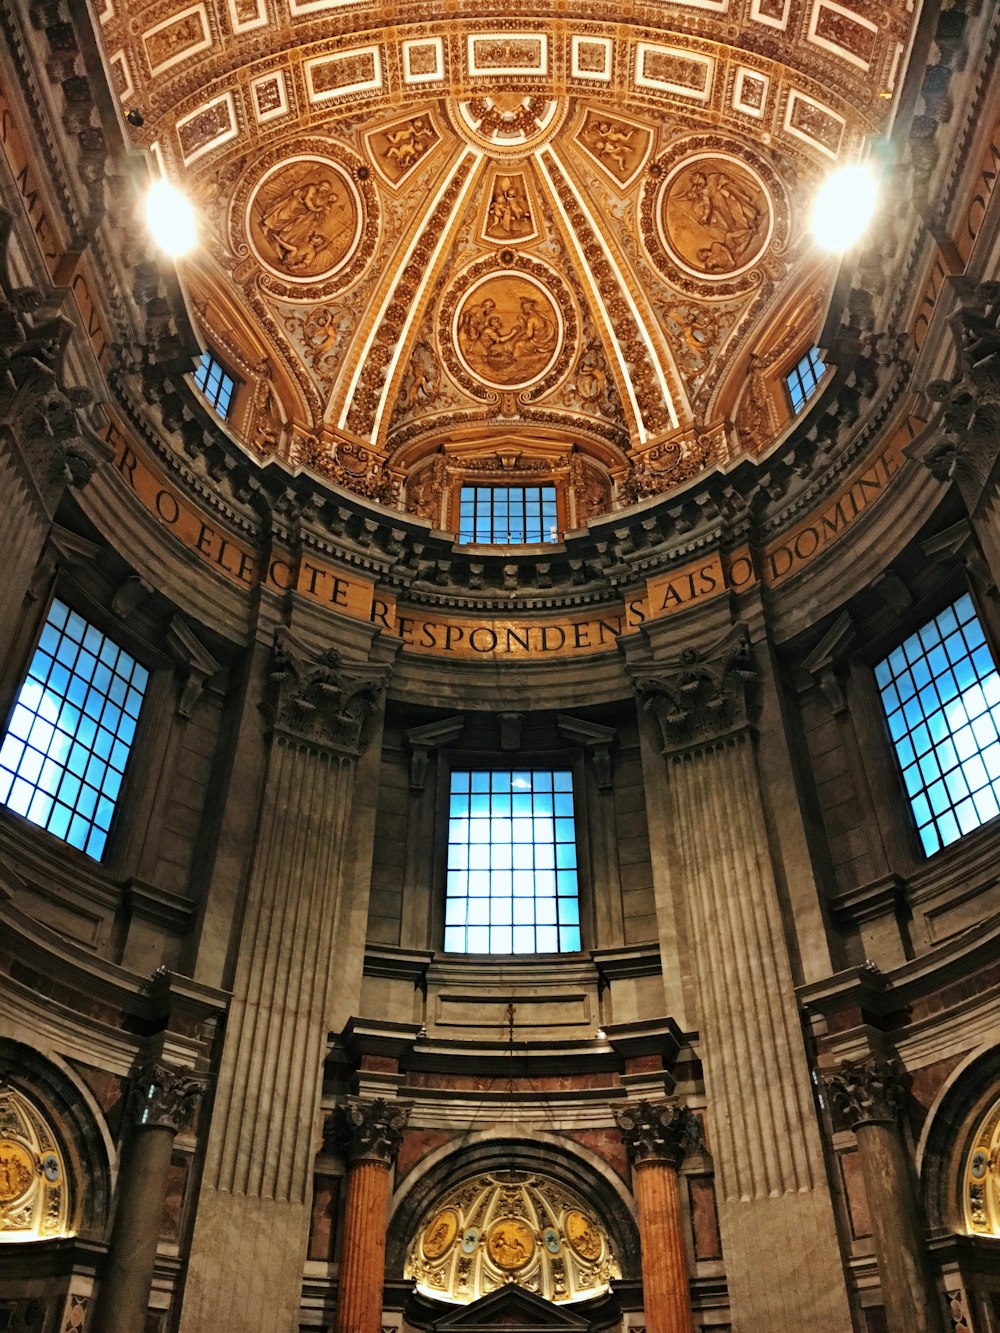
{"type": "Point", "coordinates": [253, 1213]}
{"type": "Point", "coordinates": [765, 1138]}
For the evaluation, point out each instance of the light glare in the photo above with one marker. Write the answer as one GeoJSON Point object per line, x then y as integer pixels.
{"type": "Point", "coordinates": [170, 219]}
{"type": "Point", "coordinates": [843, 207]}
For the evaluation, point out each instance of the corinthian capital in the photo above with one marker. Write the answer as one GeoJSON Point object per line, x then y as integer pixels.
{"type": "Point", "coordinates": [704, 697]}
{"type": "Point", "coordinates": [321, 699]}
{"type": "Point", "coordinates": [658, 1132]}
{"type": "Point", "coordinates": [867, 1092]}
{"type": "Point", "coordinates": [165, 1098]}
{"type": "Point", "coordinates": [368, 1130]}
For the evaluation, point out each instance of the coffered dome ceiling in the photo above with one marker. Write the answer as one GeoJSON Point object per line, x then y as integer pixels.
{"type": "Point", "coordinates": [552, 237]}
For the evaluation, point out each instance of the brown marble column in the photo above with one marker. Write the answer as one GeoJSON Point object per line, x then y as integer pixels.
{"type": "Point", "coordinates": [368, 1133]}
{"type": "Point", "coordinates": [868, 1095]}
{"type": "Point", "coordinates": [657, 1136]}
{"type": "Point", "coordinates": [163, 1101]}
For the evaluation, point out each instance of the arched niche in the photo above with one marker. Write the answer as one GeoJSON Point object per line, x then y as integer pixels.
{"type": "Point", "coordinates": [43, 1100]}
{"type": "Point", "coordinates": [544, 1155]}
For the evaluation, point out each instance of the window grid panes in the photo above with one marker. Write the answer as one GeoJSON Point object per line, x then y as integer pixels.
{"type": "Point", "coordinates": [512, 881]}
{"type": "Point", "coordinates": [507, 515]}
{"type": "Point", "coordinates": [217, 386]}
{"type": "Point", "coordinates": [803, 380]}
{"type": "Point", "coordinates": [941, 695]}
{"type": "Point", "coordinates": [64, 753]}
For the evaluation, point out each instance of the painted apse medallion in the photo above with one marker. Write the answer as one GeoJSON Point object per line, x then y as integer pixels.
{"type": "Point", "coordinates": [440, 1235]}
{"type": "Point", "coordinates": [711, 219]}
{"type": "Point", "coordinates": [510, 1244]}
{"type": "Point", "coordinates": [304, 219]}
{"type": "Point", "coordinates": [509, 326]}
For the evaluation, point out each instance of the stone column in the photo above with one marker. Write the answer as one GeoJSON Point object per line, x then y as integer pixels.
{"type": "Point", "coordinates": [776, 1218]}
{"type": "Point", "coordinates": [368, 1134]}
{"type": "Point", "coordinates": [251, 1232]}
{"type": "Point", "coordinates": [868, 1095]}
{"type": "Point", "coordinates": [163, 1101]}
{"type": "Point", "coordinates": [657, 1136]}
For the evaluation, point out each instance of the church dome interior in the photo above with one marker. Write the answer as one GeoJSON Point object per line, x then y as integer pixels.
{"type": "Point", "coordinates": [499, 666]}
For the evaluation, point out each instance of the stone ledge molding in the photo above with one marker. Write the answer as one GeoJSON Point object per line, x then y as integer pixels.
{"type": "Point", "coordinates": [364, 1130]}
{"type": "Point", "coordinates": [867, 1092]}
{"type": "Point", "coordinates": [163, 1097]}
{"type": "Point", "coordinates": [705, 699]}
{"type": "Point", "coordinates": [320, 700]}
{"type": "Point", "coordinates": [658, 1132]}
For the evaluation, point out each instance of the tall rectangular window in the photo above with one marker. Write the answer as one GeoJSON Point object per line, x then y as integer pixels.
{"type": "Point", "coordinates": [215, 383]}
{"type": "Point", "coordinates": [507, 515]}
{"type": "Point", "coordinates": [941, 695]}
{"type": "Point", "coordinates": [512, 881]}
{"type": "Point", "coordinates": [64, 753]}
{"type": "Point", "coordinates": [803, 379]}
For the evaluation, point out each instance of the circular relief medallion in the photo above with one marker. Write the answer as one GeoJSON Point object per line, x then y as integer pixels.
{"type": "Point", "coordinates": [440, 1234]}
{"type": "Point", "coordinates": [508, 331]}
{"type": "Point", "coordinates": [711, 218]}
{"type": "Point", "coordinates": [17, 1171]}
{"type": "Point", "coordinates": [510, 1244]}
{"type": "Point", "coordinates": [715, 216]}
{"type": "Point", "coordinates": [583, 1236]}
{"type": "Point", "coordinates": [304, 219]}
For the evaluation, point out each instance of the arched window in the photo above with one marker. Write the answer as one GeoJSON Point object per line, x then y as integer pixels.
{"type": "Point", "coordinates": [34, 1194]}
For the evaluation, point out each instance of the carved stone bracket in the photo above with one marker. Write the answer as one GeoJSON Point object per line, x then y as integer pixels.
{"type": "Point", "coordinates": [422, 740]}
{"type": "Point", "coordinates": [966, 446]}
{"type": "Point", "coordinates": [866, 1092]}
{"type": "Point", "coordinates": [165, 1098]}
{"type": "Point", "coordinates": [598, 741]}
{"type": "Point", "coordinates": [320, 699]}
{"type": "Point", "coordinates": [367, 1130]}
{"type": "Point", "coordinates": [196, 665]}
{"type": "Point", "coordinates": [705, 697]}
{"type": "Point", "coordinates": [658, 1132]}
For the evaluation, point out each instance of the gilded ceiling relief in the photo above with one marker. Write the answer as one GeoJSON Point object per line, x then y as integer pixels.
{"type": "Point", "coordinates": [510, 212]}
{"type": "Point", "coordinates": [620, 147]}
{"type": "Point", "coordinates": [310, 219]}
{"type": "Point", "coordinates": [398, 148]}
{"type": "Point", "coordinates": [508, 326]}
{"type": "Point", "coordinates": [598, 264]}
{"type": "Point", "coordinates": [715, 218]}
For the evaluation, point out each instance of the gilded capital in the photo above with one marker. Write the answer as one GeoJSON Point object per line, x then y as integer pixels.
{"type": "Point", "coordinates": [704, 697]}
{"type": "Point", "coordinates": [368, 1129]}
{"type": "Point", "coordinates": [866, 1092]}
{"type": "Point", "coordinates": [319, 698]}
{"type": "Point", "coordinates": [658, 1132]}
{"type": "Point", "coordinates": [165, 1098]}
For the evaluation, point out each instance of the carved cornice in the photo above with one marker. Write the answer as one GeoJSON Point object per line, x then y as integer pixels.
{"type": "Point", "coordinates": [866, 1092]}
{"type": "Point", "coordinates": [318, 699]}
{"type": "Point", "coordinates": [364, 1130]}
{"type": "Point", "coordinates": [658, 1132]}
{"type": "Point", "coordinates": [165, 1098]}
{"type": "Point", "coordinates": [705, 698]}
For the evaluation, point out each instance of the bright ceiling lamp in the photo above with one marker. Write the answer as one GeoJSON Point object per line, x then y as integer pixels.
{"type": "Point", "coordinates": [170, 219]}
{"type": "Point", "coordinates": [843, 207]}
